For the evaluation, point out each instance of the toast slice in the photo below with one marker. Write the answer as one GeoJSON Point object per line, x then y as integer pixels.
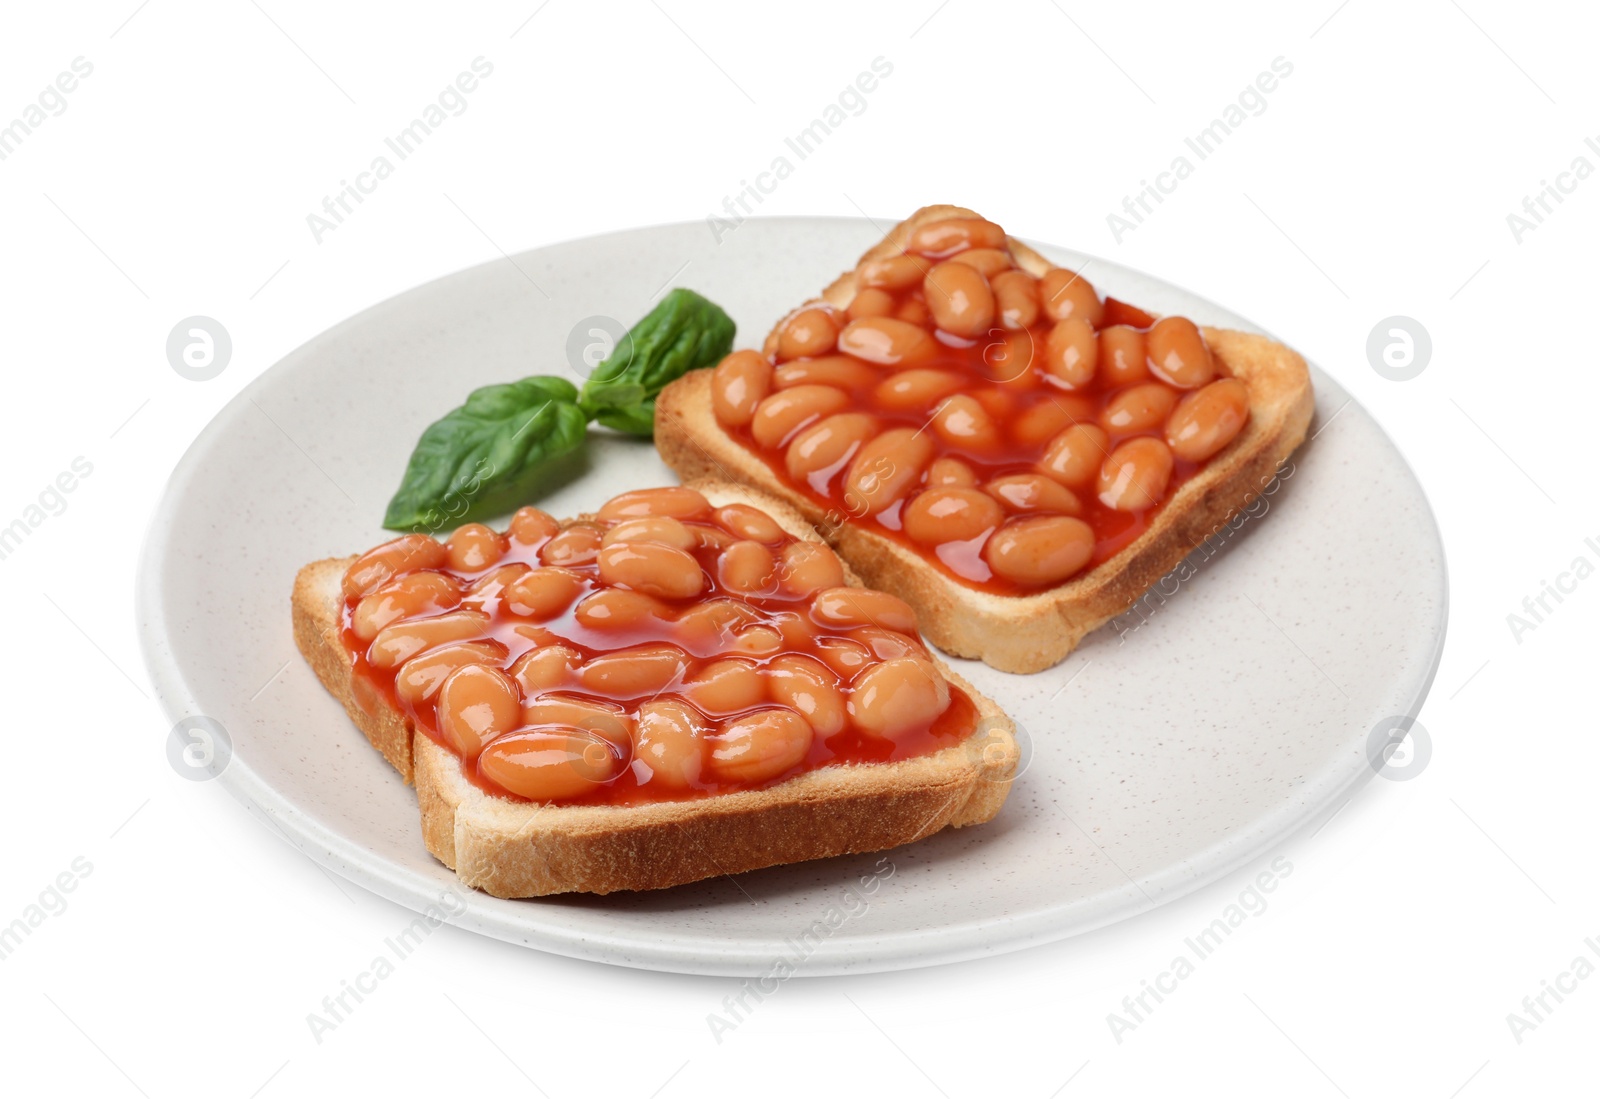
{"type": "Point", "coordinates": [1026, 632]}
{"type": "Point", "coordinates": [512, 848]}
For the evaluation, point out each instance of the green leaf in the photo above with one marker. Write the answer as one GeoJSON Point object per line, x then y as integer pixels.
{"type": "Point", "coordinates": [485, 457]}
{"type": "Point", "coordinates": [637, 419]}
{"type": "Point", "coordinates": [684, 332]}
{"type": "Point", "coordinates": [613, 395]}
{"type": "Point", "coordinates": [492, 454]}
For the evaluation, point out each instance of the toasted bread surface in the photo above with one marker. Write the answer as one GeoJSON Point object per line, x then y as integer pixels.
{"type": "Point", "coordinates": [1019, 633]}
{"type": "Point", "coordinates": [520, 849]}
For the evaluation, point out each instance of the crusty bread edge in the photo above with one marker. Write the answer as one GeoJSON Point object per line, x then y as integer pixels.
{"type": "Point", "coordinates": [1033, 632]}
{"type": "Point", "coordinates": [517, 849]}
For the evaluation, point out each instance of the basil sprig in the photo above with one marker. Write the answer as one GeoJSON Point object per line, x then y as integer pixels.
{"type": "Point", "coordinates": [490, 455]}
{"type": "Point", "coordinates": [484, 457]}
{"type": "Point", "coordinates": [683, 333]}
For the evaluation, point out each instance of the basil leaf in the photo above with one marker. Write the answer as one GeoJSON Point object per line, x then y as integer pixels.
{"type": "Point", "coordinates": [609, 395]}
{"type": "Point", "coordinates": [684, 332]}
{"type": "Point", "coordinates": [493, 453]}
{"type": "Point", "coordinates": [486, 457]}
{"type": "Point", "coordinates": [637, 419]}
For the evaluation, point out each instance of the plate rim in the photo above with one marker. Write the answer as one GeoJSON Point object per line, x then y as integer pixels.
{"type": "Point", "coordinates": [703, 954]}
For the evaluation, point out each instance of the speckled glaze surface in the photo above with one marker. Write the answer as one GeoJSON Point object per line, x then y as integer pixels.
{"type": "Point", "coordinates": [1231, 709]}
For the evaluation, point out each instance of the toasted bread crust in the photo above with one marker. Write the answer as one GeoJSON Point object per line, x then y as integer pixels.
{"type": "Point", "coordinates": [1020, 633]}
{"type": "Point", "coordinates": [519, 849]}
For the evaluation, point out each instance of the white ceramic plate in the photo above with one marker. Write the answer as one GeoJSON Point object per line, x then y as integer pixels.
{"type": "Point", "coordinates": [1160, 757]}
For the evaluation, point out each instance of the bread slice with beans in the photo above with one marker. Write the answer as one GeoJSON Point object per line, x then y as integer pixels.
{"type": "Point", "coordinates": [1016, 631]}
{"type": "Point", "coordinates": [520, 848]}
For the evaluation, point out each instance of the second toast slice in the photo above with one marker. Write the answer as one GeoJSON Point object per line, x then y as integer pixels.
{"type": "Point", "coordinates": [1030, 631]}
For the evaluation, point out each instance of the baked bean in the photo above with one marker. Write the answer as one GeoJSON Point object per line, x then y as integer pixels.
{"type": "Point", "coordinates": [1000, 403]}
{"type": "Point", "coordinates": [628, 673]}
{"type": "Point", "coordinates": [949, 235]}
{"type": "Point", "coordinates": [614, 609]}
{"type": "Point", "coordinates": [675, 501]}
{"type": "Point", "coordinates": [473, 547]}
{"type": "Point", "coordinates": [843, 656]}
{"type": "Point", "coordinates": [891, 272]}
{"type": "Point", "coordinates": [897, 697]}
{"type": "Point", "coordinates": [786, 411]}
{"type": "Point", "coordinates": [669, 739]}
{"type": "Point", "coordinates": [746, 568]}
{"type": "Point", "coordinates": [725, 686]}
{"type": "Point", "coordinates": [1010, 358]}
{"type": "Point", "coordinates": [1034, 492]}
{"type": "Point", "coordinates": [1135, 475]}
{"type": "Point", "coordinates": [420, 678]}
{"type": "Point", "coordinates": [709, 537]}
{"type": "Point", "coordinates": [1040, 550]}
{"type": "Point", "coordinates": [951, 473]}
{"type": "Point", "coordinates": [544, 593]}
{"type": "Point", "coordinates": [576, 545]}
{"type": "Point", "coordinates": [531, 526]}
{"type": "Point", "coordinates": [988, 262]}
{"type": "Point", "coordinates": [759, 746]}
{"type": "Point", "coordinates": [550, 763]}
{"type": "Point", "coordinates": [1074, 456]}
{"type": "Point", "coordinates": [710, 627]}
{"type": "Point", "coordinates": [661, 529]}
{"type": "Point", "coordinates": [396, 644]}
{"type": "Point", "coordinates": [738, 384]}
{"type": "Point", "coordinates": [487, 590]}
{"type": "Point", "coordinates": [543, 669]}
{"type": "Point", "coordinates": [744, 521]}
{"type": "Point", "coordinates": [537, 635]}
{"type": "Point", "coordinates": [914, 311]}
{"type": "Point", "coordinates": [1178, 353]}
{"type": "Point", "coordinates": [887, 341]}
{"type": "Point", "coordinates": [939, 515]}
{"type": "Point", "coordinates": [806, 686]}
{"type": "Point", "coordinates": [824, 446]}
{"type": "Point", "coordinates": [811, 331]}
{"type": "Point", "coordinates": [1045, 419]}
{"type": "Point", "coordinates": [758, 641]}
{"type": "Point", "coordinates": [959, 298]}
{"type": "Point", "coordinates": [725, 615]}
{"type": "Point", "coordinates": [839, 371]}
{"type": "Point", "coordinates": [605, 719]}
{"type": "Point", "coordinates": [796, 630]}
{"type": "Point", "coordinates": [1016, 297]}
{"type": "Point", "coordinates": [377, 566]}
{"type": "Point", "coordinates": [888, 644]}
{"type": "Point", "coordinates": [885, 468]}
{"type": "Point", "coordinates": [870, 302]}
{"type": "Point", "coordinates": [716, 619]}
{"type": "Point", "coordinates": [1064, 293]}
{"type": "Point", "coordinates": [962, 422]}
{"type": "Point", "coordinates": [846, 608]}
{"type": "Point", "coordinates": [1071, 352]}
{"type": "Point", "coordinates": [649, 567]}
{"type": "Point", "coordinates": [1142, 407]}
{"type": "Point", "coordinates": [1122, 356]}
{"type": "Point", "coordinates": [917, 389]}
{"type": "Point", "coordinates": [477, 704]}
{"type": "Point", "coordinates": [1208, 419]}
{"type": "Point", "coordinates": [807, 567]}
{"type": "Point", "coordinates": [414, 594]}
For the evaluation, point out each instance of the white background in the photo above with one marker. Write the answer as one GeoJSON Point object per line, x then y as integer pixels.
{"type": "Point", "coordinates": [1377, 182]}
